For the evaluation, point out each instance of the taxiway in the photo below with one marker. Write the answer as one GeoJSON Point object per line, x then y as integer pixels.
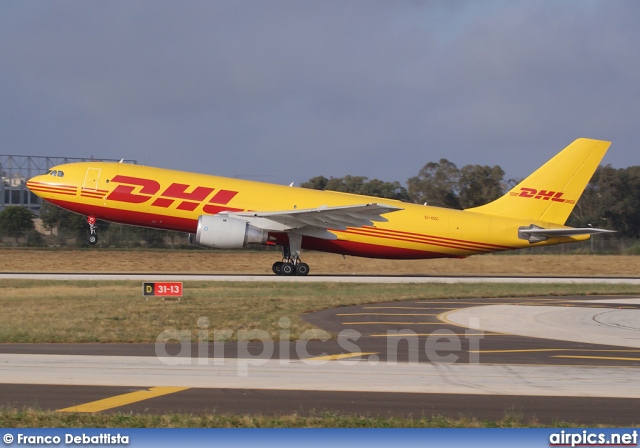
{"type": "Point", "coordinates": [548, 358]}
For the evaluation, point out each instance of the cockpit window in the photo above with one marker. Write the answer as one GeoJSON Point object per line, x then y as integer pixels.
{"type": "Point", "coordinates": [55, 173]}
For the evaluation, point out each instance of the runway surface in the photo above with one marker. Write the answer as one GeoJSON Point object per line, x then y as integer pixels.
{"type": "Point", "coordinates": [549, 358]}
{"type": "Point", "coordinates": [321, 278]}
{"type": "Point", "coordinates": [331, 375]}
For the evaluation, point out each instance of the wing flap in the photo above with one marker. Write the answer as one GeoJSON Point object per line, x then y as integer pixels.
{"type": "Point", "coordinates": [317, 221]}
{"type": "Point", "coordinates": [321, 222]}
{"type": "Point", "coordinates": [368, 218]}
{"type": "Point", "coordinates": [316, 232]}
{"type": "Point", "coordinates": [349, 220]}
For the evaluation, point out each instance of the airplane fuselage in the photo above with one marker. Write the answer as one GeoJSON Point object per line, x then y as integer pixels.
{"type": "Point", "coordinates": [174, 200]}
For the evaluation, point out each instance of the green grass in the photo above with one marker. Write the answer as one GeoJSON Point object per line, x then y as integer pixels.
{"type": "Point", "coordinates": [34, 418]}
{"type": "Point", "coordinates": [106, 311]}
{"type": "Point", "coordinates": [632, 250]}
{"type": "Point", "coordinates": [63, 311]}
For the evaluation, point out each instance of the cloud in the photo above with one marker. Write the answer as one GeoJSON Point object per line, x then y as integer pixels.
{"type": "Point", "coordinates": [286, 90]}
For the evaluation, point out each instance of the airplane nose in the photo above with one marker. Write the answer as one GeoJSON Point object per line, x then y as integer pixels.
{"type": "Point", "coordinates": [35, 180]}
{"type": "Point", "coordinates": [42, 186]}
{"type": "Point", "coordinates": [35, 184]}
{"type": "Point", "coordinates": [51, 186]}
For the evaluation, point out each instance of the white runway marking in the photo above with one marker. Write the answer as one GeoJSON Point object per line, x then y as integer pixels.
{"type": "Point", "coordinates": [345, 375]}
{"type": "Point", "coordinates": [620, 327]}
{"type": "Point", "coordinates": [613, 302]}
{"type": "Point", "coordinates": [588, 325]}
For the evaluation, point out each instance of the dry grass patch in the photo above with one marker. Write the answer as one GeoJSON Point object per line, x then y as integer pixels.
{"type": "Point", "coordinates": [252, 262]}
{"type": "Point", "coordinates": [98, 311]}
{"type": "Point", "coordinates": [35, 418]}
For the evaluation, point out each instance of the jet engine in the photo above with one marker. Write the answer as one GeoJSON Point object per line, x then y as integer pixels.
{"type": "Point", "coordinates": [224, 232]}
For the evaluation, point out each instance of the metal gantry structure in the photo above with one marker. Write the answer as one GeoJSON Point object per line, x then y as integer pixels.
{"type": "Point", "coordinates": [15, 170]}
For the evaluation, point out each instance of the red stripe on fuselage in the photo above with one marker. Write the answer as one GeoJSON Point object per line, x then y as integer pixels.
{"type": "Point", "coordinates": [52, 190]}
{"type": "Point", "coordinates": [120, 216]}
{"type": "Point", "coordinates": [368, 250]}
{"type": "Point", "coordinates": [165, 222]}
{"type": "Point", "coordinates": [48, 185]}
{"type": "Point", "coordinates": [427, 239]}
{"type": "Point", "coordinates": [415, 240]}
{"type": "Point", "coordinates": [475, 244]}
{"type": "Point", "coordinates": [92, 193]}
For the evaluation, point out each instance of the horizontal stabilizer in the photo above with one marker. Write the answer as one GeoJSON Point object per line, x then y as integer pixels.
{"type": "Point", "coordinates": [535, 234]}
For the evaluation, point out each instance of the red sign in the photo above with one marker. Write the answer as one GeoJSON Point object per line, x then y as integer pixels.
{"type": "Point", "coordinates": [164, 289]}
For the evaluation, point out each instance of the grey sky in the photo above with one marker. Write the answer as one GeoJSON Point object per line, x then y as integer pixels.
{"type": "Point", "coordinates": [282, 91]}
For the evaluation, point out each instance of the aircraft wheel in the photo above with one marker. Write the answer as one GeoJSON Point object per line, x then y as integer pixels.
{"type": "Point", "coordinates": [288, 269]}
{"type": "Point", "coordinates": [302, 269]}
{"type": "Point", "coordinates": [277, 267]}
{"type": "Point", "coordinates": [93, 239]}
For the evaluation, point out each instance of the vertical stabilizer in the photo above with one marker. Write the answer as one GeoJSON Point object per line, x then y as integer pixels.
{"type": "Point", "coordinates": [551, 192]}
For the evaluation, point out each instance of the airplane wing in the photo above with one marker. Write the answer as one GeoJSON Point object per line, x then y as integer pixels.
{"type": "Point", "coordinates": [317, 222]}
{"type": "Point", "coordinates": [536, 234]}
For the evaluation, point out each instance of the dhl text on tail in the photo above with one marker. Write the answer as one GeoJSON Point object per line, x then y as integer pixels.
{"type": "Point", "coordinates": [227, 213]}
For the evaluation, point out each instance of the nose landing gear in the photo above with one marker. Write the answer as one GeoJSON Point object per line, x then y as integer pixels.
{"type": "Point", "coordinates": [93, 232]}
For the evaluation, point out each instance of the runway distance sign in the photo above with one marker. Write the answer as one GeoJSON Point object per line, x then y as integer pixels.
{"type": "Point", "coordinates": [163, 289]}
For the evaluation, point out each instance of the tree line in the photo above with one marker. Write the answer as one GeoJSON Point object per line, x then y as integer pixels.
{"type": "Point", "coordinates": [611, 200]}
{"type": "Point", "coordinates": [67, 228]}
{"type": "Point", "coordinates": [441, 184]}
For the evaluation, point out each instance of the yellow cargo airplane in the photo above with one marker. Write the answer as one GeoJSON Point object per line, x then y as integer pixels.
{"type": "Point", "coordinates": [225, 213]}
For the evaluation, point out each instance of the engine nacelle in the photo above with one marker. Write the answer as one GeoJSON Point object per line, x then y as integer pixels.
{"type": "Point", "coordinates": [224, 232]}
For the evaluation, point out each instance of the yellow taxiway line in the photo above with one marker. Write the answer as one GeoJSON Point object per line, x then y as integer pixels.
{"type": "Point", "coordinates": [340, 356]}
{"type": "Point", "coordinates": [387, 314]}
{"type": "Point", "coordinates": [435, 333]}
{"type": "Point", "coordinates": [122, 400]}
{"type": "Point", "coordinates": [454, 302]}
{"type": "Point", "coordinates": [404, 308]}
{"type": "Point", "coordinates": [606, 358]}
{"type": "Point", "coordinates": [392, 323]}
{"type": "Point", "coordinates": [555, 350]}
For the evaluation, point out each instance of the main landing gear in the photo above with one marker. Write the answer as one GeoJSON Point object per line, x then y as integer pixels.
{"type": "Point", "coordinates": [291, 263]}
{"type": "Point", "coordinates": [93, 233]}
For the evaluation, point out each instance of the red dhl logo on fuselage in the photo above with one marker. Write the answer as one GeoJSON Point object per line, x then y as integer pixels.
{"type": "Point", "coordinates": [544, 195]}
{"type": "Point", "coordinates": [189, 198]}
